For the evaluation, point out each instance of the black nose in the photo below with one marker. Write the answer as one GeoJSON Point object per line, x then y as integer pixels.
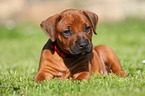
{"type": "Point", "coordinates": [82, 44]}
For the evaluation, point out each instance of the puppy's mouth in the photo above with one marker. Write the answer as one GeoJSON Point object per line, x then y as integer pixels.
{"type": "Point", "coordinates": [75, 50]}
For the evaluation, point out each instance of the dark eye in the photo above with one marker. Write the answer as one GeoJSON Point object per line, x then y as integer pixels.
{"type": "Point", "coordinates": [67, 32]}
{"type": "Point", "coordinates": [87, 28]}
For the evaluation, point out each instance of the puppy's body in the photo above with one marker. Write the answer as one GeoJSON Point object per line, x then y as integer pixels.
{"type": "Point", "coordinates": [69, 52]}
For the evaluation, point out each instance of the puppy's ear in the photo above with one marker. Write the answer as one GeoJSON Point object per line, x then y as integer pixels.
{"type": "Point", "coordinates": [49, 26]}
{"type": "Point", "coordinates": [93, 18]}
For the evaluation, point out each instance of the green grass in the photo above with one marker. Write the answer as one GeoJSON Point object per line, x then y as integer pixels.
{"type": "Point", "coordinates": [20, 50]}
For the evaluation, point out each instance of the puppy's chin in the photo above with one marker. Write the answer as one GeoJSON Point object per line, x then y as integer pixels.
{"type": "Point", "coordinates": [84, 53]}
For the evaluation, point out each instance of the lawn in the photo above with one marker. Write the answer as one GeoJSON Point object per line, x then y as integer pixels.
{"type": "Point", "coordinates": [20, 50]}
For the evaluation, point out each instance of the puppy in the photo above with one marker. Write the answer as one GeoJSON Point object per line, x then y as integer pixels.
{"type": "Point", "coordinates": [69, 52]}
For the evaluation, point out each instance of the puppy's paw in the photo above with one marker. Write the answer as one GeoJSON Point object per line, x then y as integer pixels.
{"type": "Point", "coordinates": [39, 77]}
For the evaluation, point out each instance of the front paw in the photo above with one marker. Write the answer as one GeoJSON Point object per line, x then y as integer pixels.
{"type": "Point", "coordinates": [81, 76]}
{"type": "Point", "coordinates": [39, 77]}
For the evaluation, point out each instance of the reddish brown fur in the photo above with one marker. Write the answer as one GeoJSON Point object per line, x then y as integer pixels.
{"type": "Point", "coordinates": [101, 60]}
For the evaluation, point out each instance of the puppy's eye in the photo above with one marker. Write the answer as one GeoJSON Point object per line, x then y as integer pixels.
{"type": "Point", "coordinates": [87, 28]}
{"type": "Point", "coordinates": [67, 32]}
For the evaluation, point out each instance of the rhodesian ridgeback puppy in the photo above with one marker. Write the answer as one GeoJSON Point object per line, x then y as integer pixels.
{"type": "Point", "coordinates": [69, 53]}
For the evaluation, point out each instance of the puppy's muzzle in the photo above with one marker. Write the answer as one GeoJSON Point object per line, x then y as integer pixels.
{"type": "Point", "coordinates": [81, 47]}
{"type": "Point", "coordinates": [82, 44]}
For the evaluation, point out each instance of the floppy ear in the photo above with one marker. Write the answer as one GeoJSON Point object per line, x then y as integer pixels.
{"type": "Point", "coordinates": [93, 18]}
{"type": "Point", "coordinates": [49, 26]}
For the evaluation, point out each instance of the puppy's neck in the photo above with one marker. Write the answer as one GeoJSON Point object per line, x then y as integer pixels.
{"type": "Point", "coordinates": [55, 47]}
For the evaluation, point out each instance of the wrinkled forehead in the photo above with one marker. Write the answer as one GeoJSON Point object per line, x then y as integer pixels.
{"type": "Point", "coordinates": [74, 19]}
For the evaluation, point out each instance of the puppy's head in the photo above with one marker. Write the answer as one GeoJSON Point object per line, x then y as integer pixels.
{"type": "Point", "coordinates": [72, 30]}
